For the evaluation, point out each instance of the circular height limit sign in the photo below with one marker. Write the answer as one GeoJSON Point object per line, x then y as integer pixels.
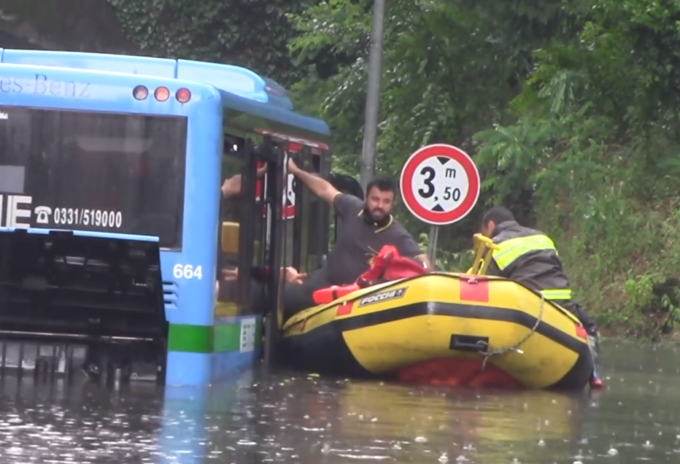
{"type": "Point", "coordinates": [440, 184]}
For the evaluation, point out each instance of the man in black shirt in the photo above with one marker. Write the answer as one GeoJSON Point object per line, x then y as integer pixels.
{"type": "Point", "coordinates": [367, 226]}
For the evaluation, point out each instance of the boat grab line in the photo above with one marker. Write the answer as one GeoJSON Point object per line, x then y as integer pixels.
{"type": "Point", "coordinates": [516, 347]}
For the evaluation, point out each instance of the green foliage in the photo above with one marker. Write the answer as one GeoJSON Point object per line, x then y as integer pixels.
{"type": "Point", "coordinates": [459, 261]}
{"type": "Point", "coordinates": [595, 139]}
{"type": "Point", "coordinates": [449, 69]}
{"type": "Point", "coordinates": [569, 107]}
{"type": "Point", "coordinates": [62, 24]}
{"type": "Point", "coordinates": [249, 33]}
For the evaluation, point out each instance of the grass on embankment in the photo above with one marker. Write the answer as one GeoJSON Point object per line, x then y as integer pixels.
{"type": "Point", "coordinates": [623, 266]}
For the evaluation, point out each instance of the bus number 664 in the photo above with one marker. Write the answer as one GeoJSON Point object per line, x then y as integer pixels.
{"type": "Point", "coordinates": [187, 271]}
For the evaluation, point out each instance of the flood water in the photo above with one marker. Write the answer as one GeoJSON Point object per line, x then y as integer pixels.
{"type": "Point", "coordinates": [293, 418]}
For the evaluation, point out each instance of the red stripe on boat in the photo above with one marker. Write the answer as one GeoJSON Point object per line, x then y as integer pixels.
{"type": "Point", "coordinates": [475, 290]}
{"type": "Point", "coordinates": [344, 309]}
{"type": "Point", "coordinates": [581, 332]}
{"type": "Point", "coordinates": [458, 373]}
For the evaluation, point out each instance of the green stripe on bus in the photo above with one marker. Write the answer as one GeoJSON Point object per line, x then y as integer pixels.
{"type": "Point", "coordinates": [190, 338]}
{"type": "Point", "coordinates": [208, 339]}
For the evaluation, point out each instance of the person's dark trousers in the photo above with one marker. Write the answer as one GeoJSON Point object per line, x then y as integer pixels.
{"type": "Point", "coordinates": [298, 297]}
{"type": "Point", "coordinates": [593, 338]}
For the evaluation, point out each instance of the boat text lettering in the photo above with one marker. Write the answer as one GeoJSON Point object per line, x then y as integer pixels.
{"type": "Point", "coordinates": [383, 296]}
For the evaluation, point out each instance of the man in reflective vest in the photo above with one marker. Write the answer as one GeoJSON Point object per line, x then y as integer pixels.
{"type": "Point", "coordinates": [529, 257]}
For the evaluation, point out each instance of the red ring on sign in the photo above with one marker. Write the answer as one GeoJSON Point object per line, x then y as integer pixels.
{"type": "Point", "coordinates": [446, 217]}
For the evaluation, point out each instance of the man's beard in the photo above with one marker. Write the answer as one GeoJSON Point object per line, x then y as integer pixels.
{"type": "Point", "coordinates": [380, 221]}
{"type": "Point", "coordinates": [378, 214]}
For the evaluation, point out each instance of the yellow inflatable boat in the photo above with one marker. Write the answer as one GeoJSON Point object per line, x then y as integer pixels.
{"type": "Point", "coordinates": [444, 328]}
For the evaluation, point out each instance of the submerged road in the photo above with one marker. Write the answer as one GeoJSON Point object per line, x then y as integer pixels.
{"type": "Point", "coordinates": [293, 418]}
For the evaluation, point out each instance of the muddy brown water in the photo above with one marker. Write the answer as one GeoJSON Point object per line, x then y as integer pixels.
{"type": "Point", "coordinates": [295, 418]}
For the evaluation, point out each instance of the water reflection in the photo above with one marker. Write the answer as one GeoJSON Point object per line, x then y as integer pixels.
{"type": "Point", "coordinates": [293, 418]}
{"type": "Point", "coordinates": [369, 421]}
{"type": "Point", "coordinates": [53, 422]}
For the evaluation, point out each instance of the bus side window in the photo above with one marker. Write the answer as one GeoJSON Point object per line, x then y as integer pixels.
{"type": "Point", "coordinates": [291, 219]}
{"type": "Point", "coordinates": [228, 236]}
{"type": "Point", "coordinates": [306, 232]}
{"type": "Point", "coordinates": [317, 222]}
{"type": "Point", "coordinates": [306, 235]}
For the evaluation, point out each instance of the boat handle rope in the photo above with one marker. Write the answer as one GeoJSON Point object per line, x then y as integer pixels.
{"type": "Point", "coordinates": [516, 347]}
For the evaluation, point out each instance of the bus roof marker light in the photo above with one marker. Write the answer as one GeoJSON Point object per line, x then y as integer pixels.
{"type": "Point", "coordinates": [162, 94]}
{"type": "Point", "coordinates": [183, 95]}
{"type": "Point", "coordinates": [140, 92]}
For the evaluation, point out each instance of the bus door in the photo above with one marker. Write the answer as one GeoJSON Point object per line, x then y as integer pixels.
{"type": "Point", "coordinates": [251, 242]}
{"type": "Point", "coordinates": [288, 225]}
{"type": "Point", "coordinates": [304, 217]}
{"type": "Point", "coordinates": [275, 155]}
{"type": "Point", "coordinates": [315, 213]}
{"type": "Point", "coordinates": [241, 234]}
{"type": "Point", "coordinates": [295, 207]}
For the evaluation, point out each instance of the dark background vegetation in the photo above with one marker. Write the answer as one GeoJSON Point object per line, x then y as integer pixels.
{"type": "Point", "coordinates": [570, 108]}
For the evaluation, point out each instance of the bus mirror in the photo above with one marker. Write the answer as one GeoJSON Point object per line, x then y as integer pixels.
{"type": "Point", "coordinates": [230, 233]}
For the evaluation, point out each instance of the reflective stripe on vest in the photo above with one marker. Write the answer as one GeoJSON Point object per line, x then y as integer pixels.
{"type": "Point", "coordinates": [511, 250]}
{"type": "Point", "coordinates": [556, 294]}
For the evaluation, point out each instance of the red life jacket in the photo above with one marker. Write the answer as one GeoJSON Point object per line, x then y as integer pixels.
{"type": "Point", "coordinates": [386, 266]}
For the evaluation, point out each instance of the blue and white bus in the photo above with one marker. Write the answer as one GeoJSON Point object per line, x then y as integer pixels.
{"type": "Point", "coordinates": [113, 230]}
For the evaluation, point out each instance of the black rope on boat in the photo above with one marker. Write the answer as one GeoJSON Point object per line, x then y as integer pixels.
{"type": "Point", "coordinates": [516, 347]}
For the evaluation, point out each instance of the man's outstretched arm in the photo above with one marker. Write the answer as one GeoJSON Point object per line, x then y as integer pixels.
{"type": "Point", "coordinates": [232, 185]}
{"type": "Point", "coordinates": [319, 186]}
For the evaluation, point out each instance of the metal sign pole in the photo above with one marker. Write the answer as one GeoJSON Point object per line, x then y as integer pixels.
{"type": "Point", "coordinates": [432, 245]}
{"type": "Point", "coordinates": [367, 170]}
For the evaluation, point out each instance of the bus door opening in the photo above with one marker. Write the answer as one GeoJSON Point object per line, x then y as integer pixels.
{"type": "Point", "coordinates": [313, 214]}
{"type": "Point", "coordinates": [239, 236]}
{"type": "Point", "coordinates": [273, 152]}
